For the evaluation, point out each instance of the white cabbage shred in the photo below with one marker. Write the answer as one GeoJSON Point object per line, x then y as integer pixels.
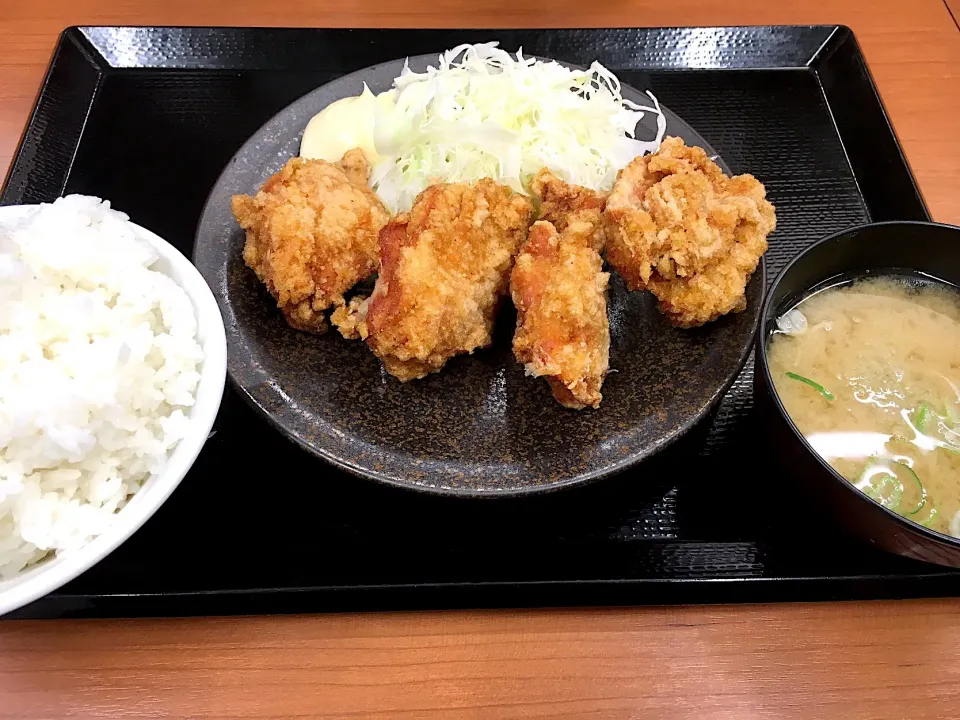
{"type": "Point", "coordinates": [486, 113]}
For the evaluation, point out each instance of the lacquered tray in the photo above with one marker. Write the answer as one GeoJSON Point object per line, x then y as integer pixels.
{"type": "Point", "coordinates": [148, 116]}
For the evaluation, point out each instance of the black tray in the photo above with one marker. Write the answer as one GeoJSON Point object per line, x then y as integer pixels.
{"type": "Point", "coordinates": [148, 117]}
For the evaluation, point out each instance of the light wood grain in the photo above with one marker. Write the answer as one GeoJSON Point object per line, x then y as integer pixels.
{"type": "Point", "coordinates": [840, 660]}
{"type": "Point", "coordinates": [863, 660]}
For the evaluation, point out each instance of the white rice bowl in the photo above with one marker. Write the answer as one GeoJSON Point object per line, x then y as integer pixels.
{"type": "Point", "coordinates": [112, 364]}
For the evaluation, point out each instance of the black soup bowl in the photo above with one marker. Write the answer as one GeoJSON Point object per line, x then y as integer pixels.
{"type": "Point", "coordinates": [916, 247]}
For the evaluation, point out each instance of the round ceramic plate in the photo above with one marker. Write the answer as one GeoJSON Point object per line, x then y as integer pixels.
{"type": "Point", "coordinates": [479, 427]}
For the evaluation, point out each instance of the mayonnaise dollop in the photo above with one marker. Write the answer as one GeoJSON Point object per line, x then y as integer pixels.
{"type": "Point", "coordinates": [342, 126]}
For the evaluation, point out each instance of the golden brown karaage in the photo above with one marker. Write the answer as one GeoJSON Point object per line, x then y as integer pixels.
{"type": "Point", "coordinates": [676, 225]}
{"type": "Point", "coordinates": [714, 291]}
{"type": "Point", "coordinates": [312, 235]}
{"type": "Point", "coordinates": [560, 291]}
{"type": "Point", "coordinates": [444, 268]}
{"type": "Point", "coordinates": [562, 203]}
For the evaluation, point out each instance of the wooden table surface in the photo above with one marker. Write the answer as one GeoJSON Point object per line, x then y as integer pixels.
{"type": "Point", "coordinates": [837, 660]}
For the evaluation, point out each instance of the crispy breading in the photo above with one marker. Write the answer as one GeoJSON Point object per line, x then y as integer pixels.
{"type": "Point", "coordinates": [560, 291]}
{"type": "Point", "coordinates": [562, 203]}
{"type": "Point", "coordinates": [676, 225]}
{"type": "Point", "coordinates": [351, 319]}
{"type": "Point", "coordinates": [444, 267]}
{"type": "Point", "coordinates": [355, 166]}
{"type": "Point", "coordinates": [312, 235]}
{"type": "Point", "coordinates": [714, 291]}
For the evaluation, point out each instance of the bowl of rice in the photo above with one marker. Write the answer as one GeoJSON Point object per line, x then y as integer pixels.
{"type": "Point", "coordinates": [112, 368]}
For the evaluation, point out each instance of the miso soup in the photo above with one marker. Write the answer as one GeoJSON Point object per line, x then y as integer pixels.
{"type": "Point", "coordinates": [869, 371]}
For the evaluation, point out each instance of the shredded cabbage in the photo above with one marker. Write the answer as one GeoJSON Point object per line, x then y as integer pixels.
{"type": "Point", "coordinates": [486, 113]}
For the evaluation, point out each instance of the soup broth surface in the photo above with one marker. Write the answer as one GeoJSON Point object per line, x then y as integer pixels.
{"type": "Point", "coordinates": [869, 372]}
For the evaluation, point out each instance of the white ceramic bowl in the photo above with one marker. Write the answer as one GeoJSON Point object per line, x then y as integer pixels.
{"type": "Point", "coordinates": [36, 581]}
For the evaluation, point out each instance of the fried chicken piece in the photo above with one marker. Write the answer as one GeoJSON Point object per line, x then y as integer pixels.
{"type": "Point", "coordinates": [718, 289]}
{"type": "Point", "coordinates": [562, 203]}
{"type": "Point", "coordinates": [312, 234]}
{"type": "Point", "coordinates": [676, 225]}
{"type": "Point", "coordinates": [444, 267]}
{"type": "Point", "coordinates": [560, 291]}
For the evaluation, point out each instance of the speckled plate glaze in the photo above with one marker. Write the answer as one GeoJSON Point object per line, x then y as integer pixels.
{"type": "Point", "coordinates": [479, 427]}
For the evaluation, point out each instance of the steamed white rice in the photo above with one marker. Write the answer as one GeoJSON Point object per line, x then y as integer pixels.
{"type": "Point", "coordinates": [98, 371]}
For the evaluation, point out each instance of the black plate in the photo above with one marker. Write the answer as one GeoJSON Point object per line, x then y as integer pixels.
{"type": "Point", "coordinates": [479, 427]}
{"type": "Point", "coordinates": [149, 117]}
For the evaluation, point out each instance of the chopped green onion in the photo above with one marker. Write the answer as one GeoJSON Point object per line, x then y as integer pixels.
{"type": "Point", "coordinates": [928, 520]}
{"type": "Point", "coordinates": [946, 436]}
{"type": "Point", "coordinates": [888, 491]}
{"type": "Point", "coordinates": [923, 490]}
{"type": "Point", "coordinates": [815, 385]}
{"type": "Point", "coordinates": [873, 484]}
{"type": "Point", "coordinates": [923, 412]}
